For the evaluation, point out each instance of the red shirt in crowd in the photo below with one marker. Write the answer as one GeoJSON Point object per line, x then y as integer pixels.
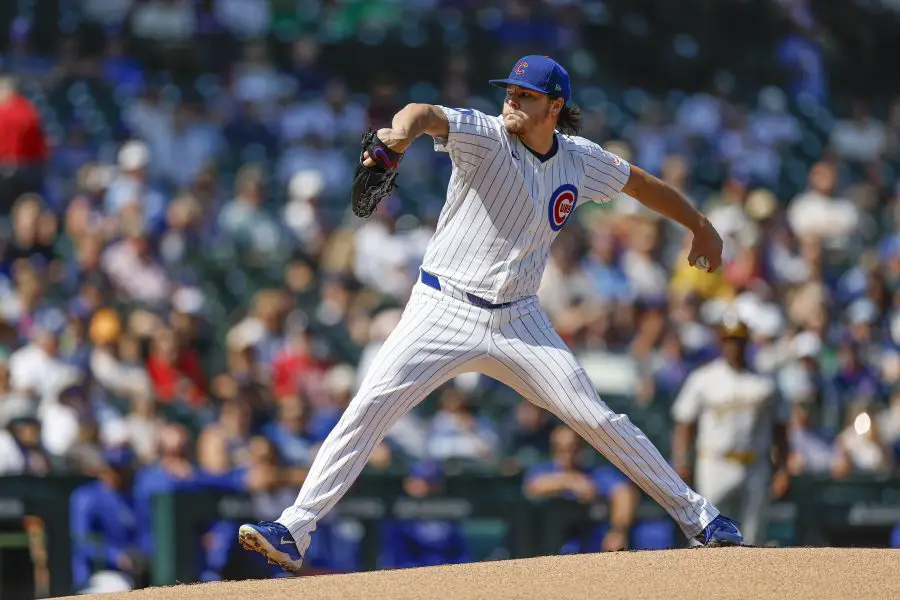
{"type": "Point", "coordinates": [22, 138]}
{"type": "Point", "coordinates": [291, 370]}
{"type": "Point", "coordinates": [169, 379]}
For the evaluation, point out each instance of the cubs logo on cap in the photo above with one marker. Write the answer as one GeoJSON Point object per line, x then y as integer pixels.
{"type": "Point", "coordinates": [538, 73]}
{"type": "Point", "coordinates": [562, 204]}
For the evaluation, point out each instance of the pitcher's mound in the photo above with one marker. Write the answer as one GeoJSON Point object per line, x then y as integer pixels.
{"type": "Point", "coordinates": [703, 573]}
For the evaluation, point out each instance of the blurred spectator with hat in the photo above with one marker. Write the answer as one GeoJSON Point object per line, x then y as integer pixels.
{"type": "Point", "coordinates": [173, 470]}
{"type": "Point", "coordinates": [733, 417]}
{"type": "Point", "coordinates": [104, 523]}
{"type": "Point", "coordinates": [21, 451]}
{"type": "Point", "coordinates": [423, 542]}
{"type": "Point", "coordinates": [64, 419]}
{"type": "Point", "coordinates": [112, 360]}
{"type": "Point", "coordinates": [131, 186]}
{"type": "Point", "coordinates": [303, 214]}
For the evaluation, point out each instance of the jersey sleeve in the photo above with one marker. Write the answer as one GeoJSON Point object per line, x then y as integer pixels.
{"type": "Point", "coordinates": [605, 174]}
{"type": "Point", "coordinates": [686, 408]}
{"type": "Point", "coordinates": [473, 136]}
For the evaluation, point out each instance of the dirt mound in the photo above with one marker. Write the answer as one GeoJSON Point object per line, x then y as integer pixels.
{"type": "Point", "coordinates": [726, 573]}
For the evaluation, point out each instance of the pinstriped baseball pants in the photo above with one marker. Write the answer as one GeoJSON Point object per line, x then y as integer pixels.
{"type": "Point", "coordinates": [440, 337]}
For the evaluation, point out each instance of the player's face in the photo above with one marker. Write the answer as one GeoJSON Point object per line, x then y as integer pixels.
{"type": "Point", "coordinates": [524, 109]}
{"type": "Point", "coordinates": [734, 349]}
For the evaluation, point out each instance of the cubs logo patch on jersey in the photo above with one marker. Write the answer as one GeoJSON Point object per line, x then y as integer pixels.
{"type": "Point", "coordinates": [562, 203]}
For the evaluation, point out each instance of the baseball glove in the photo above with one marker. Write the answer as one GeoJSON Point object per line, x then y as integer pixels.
{"type": "Point", "coordinates": [372, 184]}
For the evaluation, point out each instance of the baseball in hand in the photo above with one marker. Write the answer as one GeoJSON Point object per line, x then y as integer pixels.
{"type": "Point", "coordinates": [702, 263]}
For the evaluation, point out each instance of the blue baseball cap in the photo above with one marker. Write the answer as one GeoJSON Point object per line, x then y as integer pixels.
{"type": "Point", "coordinates": [119, 457]}
{"type": "Point", "coordinates": [429, 470]}
{"type": "Point", "coordinates": [538, 73]}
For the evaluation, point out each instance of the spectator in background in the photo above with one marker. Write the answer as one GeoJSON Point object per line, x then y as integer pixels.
{"type": "Point", "coordinates": [176, 373]}
{"type": "Point", "coordinates": [164, 21]}
{"type": "Point", "coordinates": [120, 70]}
{"type": "Point", "coordinates": [245, 221]}
{"type": "Point", "coordinates": [423, 542]}
{"type": "Point", "coordinates": [670, 366]}
{"type": "Point", "coordinates": [244, 18]}
{"type": "Point", "coordinates": [564, 476]}
{"type": "Point", "coordinates": [262, 331]}
{"type": "Point", "coordinates": [13, 404]}
{"type": "Point", "coordinates": [294, 369]}
{"type": "Point", "coordinates": [290, 431]}
{"type": "Point", "coordinates": [889, 425]}
{"type": "Point", "coordinates": [255, 80]}
{"type": "Point", "coordinates": [339, 386]}
{"type": "Point", "coordinates": [306, 67]}
{"type": "Point", "coordinates": [860, 139]}
{"type": "Point", "coordinates": [65, 416]}
{"type": "Point", "coordinates": [132, 190]}
{"type": "Point", "coordinates": [234, 424]}
{"type": "Point", "coordinates": [33, 233]}
{"type": "Point", "coordinates": [112, 367]}
{"type": "Point", "coordinates": [801, 58]}
{"type": "Point", "coordinates": [458, 432]}
{"type": "Point", "coordinates": [859, 445]}
{"type": "Point", "coordinates": [23, 305]}
{"type": "Point", "coordinates": [174, 470]}
{"type": "Point", "coordinates": [527, 439]}
{"type": "Point", "coordinates": [809, 452]}
{"type": "Point", "coordinates": [818, 213]}
{"type": "Point", "coordinates": [302, 213]}
{"type": "Point", "coordinates": [23, 149]}
{"type": "Point", "coordinates": [771, 122]}
{"type": "Point", "coordinates": [854, 378]}
{"type": "Point", "coordinates": [133, 268]}
{"type": "Point", "coordinates": [247, 129]}
{"type": "Point", "coordinates": [187, 145]}
{"type": "Point", "coordinates": [104, 525]}
{"type": "Point", "coordinates": [143, 426]}
{"type": "Point", "coordinates": [36, 369]}
{"type": "Point", "coordinates": [21, 452]}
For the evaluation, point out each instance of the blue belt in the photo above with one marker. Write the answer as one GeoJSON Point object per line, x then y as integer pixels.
{"type": "Point", "coordinates": [433, 282]}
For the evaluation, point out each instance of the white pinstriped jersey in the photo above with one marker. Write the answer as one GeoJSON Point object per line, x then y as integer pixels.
{"type": "Point", "coordinates": [504, 206]}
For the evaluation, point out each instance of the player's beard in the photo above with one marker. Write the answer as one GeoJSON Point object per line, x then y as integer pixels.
{"type": "Point", "coordinates": [516, 125]}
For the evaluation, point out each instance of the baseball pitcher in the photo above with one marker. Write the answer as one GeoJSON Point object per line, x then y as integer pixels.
{"type": "Point", "coordinates": [516, 179]}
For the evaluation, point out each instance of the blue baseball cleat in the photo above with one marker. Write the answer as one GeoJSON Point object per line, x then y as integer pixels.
{"type": "Point", "coordinates": [274, 541]}
{"type": "Point", "coordinates": [721, 532]}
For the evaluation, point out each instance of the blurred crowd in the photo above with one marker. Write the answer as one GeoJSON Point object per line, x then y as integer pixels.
{"type": "Point", "coordinates": [186, 299]}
